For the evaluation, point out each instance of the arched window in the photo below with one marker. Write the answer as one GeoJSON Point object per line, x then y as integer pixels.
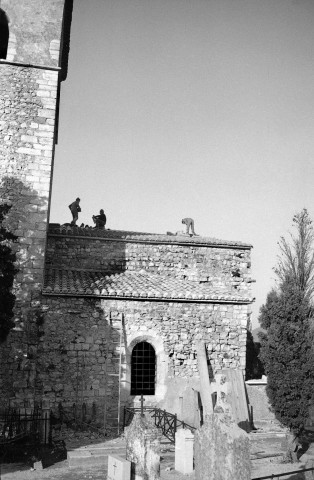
{"type": "Point", "coordinates": [143, 369]}
{"type": "Point", "coordinates": [4, 34]}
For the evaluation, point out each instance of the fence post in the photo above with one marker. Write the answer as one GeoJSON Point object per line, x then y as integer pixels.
{"type": "Point", "coordinates": [74, 414]}
{"type": "Point", "coordinates": [175, 426]}
{"type": "Point", "coordinates": [84, 412]}
{"type": "Point", "coordinates": [45, 422]}
{"type": "Point", "coordinates": [123, 417]}
{"type": "Point", "coordinates": [60, 408]}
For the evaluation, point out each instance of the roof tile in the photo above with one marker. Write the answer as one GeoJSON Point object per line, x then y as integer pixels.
{"type": "Point", "coordinates": [68, 230]}
{"type": "Point", "coordinates": [132, 285]}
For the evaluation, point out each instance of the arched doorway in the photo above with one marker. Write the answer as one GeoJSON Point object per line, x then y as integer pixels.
{"type": "Point", "coordinates": [4, 34]}
{"type": "Point", "coordinates": [143, 369]}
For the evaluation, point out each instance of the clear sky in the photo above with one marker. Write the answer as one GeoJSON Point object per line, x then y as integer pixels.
{"type": "Point", "coordinates": [199, 108]}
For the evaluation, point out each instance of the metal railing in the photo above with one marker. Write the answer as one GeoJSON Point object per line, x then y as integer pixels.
{"type": "Point", "coordinates": [167, 422]}
{"type": "Point", "coordinates": [31, 425]}
{"type": "Point", "coordinates": [278, 475]}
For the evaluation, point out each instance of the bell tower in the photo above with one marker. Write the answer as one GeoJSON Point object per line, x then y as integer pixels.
{"type": "Point", "coordinates": [34, 45]}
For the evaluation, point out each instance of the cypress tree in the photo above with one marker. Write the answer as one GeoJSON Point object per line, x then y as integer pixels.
{"type": "Point", "coordinates": [287, 354]}
{"type": "Point", "coordinates": [287, 347]}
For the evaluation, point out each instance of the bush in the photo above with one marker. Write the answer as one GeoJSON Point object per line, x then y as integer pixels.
{"type": "Point", "coordinates": [7, 273]}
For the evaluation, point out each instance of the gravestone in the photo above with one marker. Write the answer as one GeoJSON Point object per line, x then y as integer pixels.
{"type": "Point", "coordinates": [118, 468]}
{"type": "Point", "coordinates": [222, 449]}
{"type": "Point", "coordinates": [143, 448]}
{"type": "Point", "coordinates": [190, 412]}
{"type": "Point", "coordinates": [184, 447]}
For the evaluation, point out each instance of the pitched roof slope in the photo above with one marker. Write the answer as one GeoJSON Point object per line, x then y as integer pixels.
{"type": "Point", "coordinates": [67, 230]}
{"type": "Point", "coordinates": [133, 285]}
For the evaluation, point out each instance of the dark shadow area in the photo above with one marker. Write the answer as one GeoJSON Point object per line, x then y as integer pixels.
{"type": "Point", "coordinates": [65, 41]}
{"type": "Point", "coordinates": [254, 367]}
{"type": "Point", "coordinates": [19, 441]}
{"type": "Point", "coordinates": [4, 34]}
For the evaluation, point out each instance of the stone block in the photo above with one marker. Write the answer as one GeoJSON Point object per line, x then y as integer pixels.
{"type": "Point", "coordinates": [184, 447]}
{"type": "Point", "coordinates": [222, 449]}
{"type": "Point", "coordinates": [118, 468]}
{"type": "Point", "coordinates": [143, 448]}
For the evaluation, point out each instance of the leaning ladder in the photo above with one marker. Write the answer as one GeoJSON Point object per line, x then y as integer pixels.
{"type": "Point", "coordinates": [120, 326]}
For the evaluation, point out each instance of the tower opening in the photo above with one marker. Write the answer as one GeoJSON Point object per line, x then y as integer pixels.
{"type": "Point", "coordinates": [4, 34]}
{"type": "Point", "coordinates": [143, 369]}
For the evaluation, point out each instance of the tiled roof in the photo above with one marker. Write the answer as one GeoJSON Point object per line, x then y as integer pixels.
{"type": "Point", "coordinates": [68, 230]}
{"type": "Point", "coordinates": [133, 285]}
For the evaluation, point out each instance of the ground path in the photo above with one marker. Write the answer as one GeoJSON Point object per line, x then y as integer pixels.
{"type": "Point", "coordinates": [263, 447]}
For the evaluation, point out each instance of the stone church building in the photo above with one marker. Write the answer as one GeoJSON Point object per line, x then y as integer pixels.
{"type": "Point", "coordinates": [101, 316]}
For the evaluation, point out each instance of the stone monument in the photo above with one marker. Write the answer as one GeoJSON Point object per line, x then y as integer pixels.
{"type": "Point", "coordinates": [184, 451]}
{"type": "Point", "coordinates": [222, 449]}
{"type": "Point", "coordinates": [143, 448]}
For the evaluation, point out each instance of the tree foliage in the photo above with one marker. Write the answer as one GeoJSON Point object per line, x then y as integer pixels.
{"type": "Point", "coordinates": [287, 347]}
{"type": "Point", "coordinates": [7, 273]}
{"type": "Point", "coordinates": [296, 260]}
{"type": "Point", "coordinates": [287, 355]}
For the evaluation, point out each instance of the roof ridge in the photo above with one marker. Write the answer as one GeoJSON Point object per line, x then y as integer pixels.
{"type": "Point", "coordinates": [145, 237]}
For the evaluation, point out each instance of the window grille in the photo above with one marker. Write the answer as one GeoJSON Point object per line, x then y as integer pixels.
{"type": "Point", "coordinates": [143, 369]}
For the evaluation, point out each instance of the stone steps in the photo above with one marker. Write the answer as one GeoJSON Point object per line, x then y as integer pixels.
{"type": "Point", "coordinates": [94, 454]}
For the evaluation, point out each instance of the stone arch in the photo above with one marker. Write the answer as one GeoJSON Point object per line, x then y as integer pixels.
{"type": "Point", "coordinates": [4, 34]}
{"type": "Point", "coordinates": [154, 339]}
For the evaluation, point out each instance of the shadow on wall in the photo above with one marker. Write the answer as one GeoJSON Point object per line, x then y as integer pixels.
{"type": "Point", "coordinates": [25, 201]}
{"type": "Point", "coordinates": [23, 220]}
{"type": "Point", "coordinates": [4, 34]}
{"type": "Point", "coordinates": [254, 367]}
{"type": "Point", "coordinates": [79, 370]}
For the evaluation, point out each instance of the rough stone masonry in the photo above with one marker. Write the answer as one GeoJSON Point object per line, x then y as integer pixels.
{"type": "Point", "coordinates": [30, 77]}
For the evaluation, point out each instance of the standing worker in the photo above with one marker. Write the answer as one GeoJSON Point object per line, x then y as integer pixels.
{"type": "Point", "coordinates": [75, 209]}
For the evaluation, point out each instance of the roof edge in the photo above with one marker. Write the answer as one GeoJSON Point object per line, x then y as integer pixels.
{"type": "Point", "coordinates": [152, 239]}
{"type": "Point", "coordinates": [151, 299]}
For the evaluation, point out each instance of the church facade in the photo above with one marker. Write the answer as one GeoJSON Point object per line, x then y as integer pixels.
{"type": "Point", "coordinates": [101, 316]}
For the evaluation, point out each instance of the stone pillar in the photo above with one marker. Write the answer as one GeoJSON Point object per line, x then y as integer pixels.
{"type": "Point", "coordinates": [143, 449]}
{"type": "Point", "coordinates": [222, 449]}
{"type": "Point", "coordinates": [184, 451]}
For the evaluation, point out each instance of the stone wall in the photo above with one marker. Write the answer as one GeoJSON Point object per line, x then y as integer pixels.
{"type": "Point", "coordinates": [27, 119]}
{"type": "Point", "coordinates": [28, 110]}
{"type": "Point", "coordinates": [34, 30]}
{"type": "Point", "coordinates": [74, 356]}
{"type": "Point", "coordinates": [222, 269]}
{"type": "Point", "coordinates": [29, 91]}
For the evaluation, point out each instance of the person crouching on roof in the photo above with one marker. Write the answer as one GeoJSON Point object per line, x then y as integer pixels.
{"type": "Point", "coordinates": [100, 220]}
